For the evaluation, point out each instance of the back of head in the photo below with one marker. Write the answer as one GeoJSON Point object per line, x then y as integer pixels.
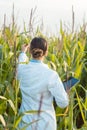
{"type": "Point", "coordinates": [38, 47]}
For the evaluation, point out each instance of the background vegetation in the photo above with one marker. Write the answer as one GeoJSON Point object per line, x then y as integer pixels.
{"type": "Point", "coordinates": [67, 55]}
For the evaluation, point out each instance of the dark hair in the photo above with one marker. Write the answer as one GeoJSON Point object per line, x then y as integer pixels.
{"type": "Point", "coordinates": [38, 47]}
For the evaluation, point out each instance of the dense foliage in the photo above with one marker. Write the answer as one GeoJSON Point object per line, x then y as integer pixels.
{"type": "Point", "coordinates": [67, 55]}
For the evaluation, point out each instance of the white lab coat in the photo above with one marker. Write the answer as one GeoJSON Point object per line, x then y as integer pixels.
{"type": "Point", "coordinates": [38, 85]}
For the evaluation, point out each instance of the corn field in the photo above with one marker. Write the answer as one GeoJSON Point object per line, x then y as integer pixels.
{"type": "Point", "coordinates": [67, 54]}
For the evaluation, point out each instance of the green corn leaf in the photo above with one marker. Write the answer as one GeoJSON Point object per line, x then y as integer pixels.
{"type": "Point", "coordinates": [2, 120]}
{"type": "Point", "coordinates": [12, 106]}
{"type": "Point", "coordinates": [80, 106]}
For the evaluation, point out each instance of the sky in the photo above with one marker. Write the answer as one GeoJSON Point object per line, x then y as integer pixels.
{"type": "Point", "coordinates": [51, 12]}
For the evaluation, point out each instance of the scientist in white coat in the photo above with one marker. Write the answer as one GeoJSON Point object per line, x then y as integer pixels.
{"type": "Point", "coordinates": [39, 85]}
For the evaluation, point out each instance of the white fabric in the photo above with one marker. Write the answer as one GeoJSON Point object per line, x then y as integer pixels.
{"type": "Point", "coordinates": [38, 85]}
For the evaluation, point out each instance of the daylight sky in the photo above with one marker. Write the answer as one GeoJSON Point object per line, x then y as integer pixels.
{"type": "Point", "coordinates": [50, 11]}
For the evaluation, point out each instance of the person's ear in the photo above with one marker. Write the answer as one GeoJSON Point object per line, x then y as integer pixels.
{"type": "Point", "coordinates": [46, 53]}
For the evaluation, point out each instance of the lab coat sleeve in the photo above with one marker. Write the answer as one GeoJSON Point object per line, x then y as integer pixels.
{"type": "Point", "coordinates": [57, 90]}
{"type": "Point", "coordinates": [22, 60]}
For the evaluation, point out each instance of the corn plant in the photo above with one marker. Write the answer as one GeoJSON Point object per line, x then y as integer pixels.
{"type": "Point", "coordinates": [67, 54]}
